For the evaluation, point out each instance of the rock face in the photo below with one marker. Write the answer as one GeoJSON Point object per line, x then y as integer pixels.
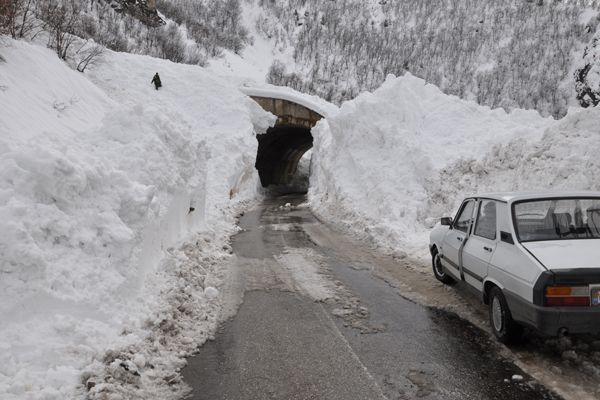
{"type": "Point", "coordinates": [587, 77]}
{"type": "Point", "coordinates": [144, 10]}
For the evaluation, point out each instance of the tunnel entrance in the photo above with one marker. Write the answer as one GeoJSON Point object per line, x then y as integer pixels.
{"type": "Point", "coordinates": [279, 151]}
{"type": "Point", "coordinates": [282, 146]}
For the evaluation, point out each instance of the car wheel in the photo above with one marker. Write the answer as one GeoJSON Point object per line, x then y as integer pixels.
{"type": "Point", "coordinates": [438, 270]}
{"type": "Point", "coordinates": [505, 329]}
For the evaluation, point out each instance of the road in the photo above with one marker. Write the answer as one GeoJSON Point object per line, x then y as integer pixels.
{"type": "Point", "coordinates": [316, 322]}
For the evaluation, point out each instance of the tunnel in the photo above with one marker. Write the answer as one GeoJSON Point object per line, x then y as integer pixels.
{"type": "Point", "coordinates": [283, 145]}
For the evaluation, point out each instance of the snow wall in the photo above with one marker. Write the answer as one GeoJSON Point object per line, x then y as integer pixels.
{"type": "Point", "coordinates": [102, 178]}
{"type": "Point", "coordinates": [394, 161]}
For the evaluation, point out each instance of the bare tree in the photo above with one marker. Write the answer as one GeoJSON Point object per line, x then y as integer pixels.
{"type": "Point", "coordinates": [62, 19]}
{"type": "Point", "coordinates": [170, 43]}
{"type": "Point", "coordinates": [89, 54]}
{"type": "Point", "coordinates": [16, 17]}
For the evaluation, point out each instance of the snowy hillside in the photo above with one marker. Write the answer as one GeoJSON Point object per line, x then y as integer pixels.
{"type": "Point", "coordinates": [392, 162]}
{"type": "Point", "coordinates": [511, 54]}
{"type": "Point", "coordinates": [183, 31]}
{"type": "Point", "coordinates": [102, 178]}
{"type": "Point", "coordinates": [507, 54]}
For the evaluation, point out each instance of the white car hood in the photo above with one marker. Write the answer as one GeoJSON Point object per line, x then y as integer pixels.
{"type": "Point", "coordinates": [566, 254]}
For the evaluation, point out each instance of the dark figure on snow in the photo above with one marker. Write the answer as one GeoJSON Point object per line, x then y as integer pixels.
{"type": "Point", "coordinates": [156, 81]}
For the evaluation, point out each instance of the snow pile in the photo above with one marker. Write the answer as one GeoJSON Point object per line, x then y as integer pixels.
{"type": "Point", "coordinates": [565, 158]}
{"type": "Point", "coordinates": [101, 181]}
{"type": "Point", "coordinates": [376, 163]}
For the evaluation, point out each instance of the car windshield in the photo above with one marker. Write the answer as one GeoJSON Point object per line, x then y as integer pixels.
{"type": "Point", "coordinates": [557, 219]}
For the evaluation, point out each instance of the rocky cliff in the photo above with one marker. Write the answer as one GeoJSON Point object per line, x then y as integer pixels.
{"type": "Point", "coordinates": [144, 10]}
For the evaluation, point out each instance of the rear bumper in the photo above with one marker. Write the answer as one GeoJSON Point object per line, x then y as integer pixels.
{"type": "Point", "coordinates": [549, 321]}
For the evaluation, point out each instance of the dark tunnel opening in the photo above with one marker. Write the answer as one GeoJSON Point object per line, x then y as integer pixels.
{"type": "Point", "coordinates": [279, 152]}
{"type": "Point", "coordinates": [281, 148]}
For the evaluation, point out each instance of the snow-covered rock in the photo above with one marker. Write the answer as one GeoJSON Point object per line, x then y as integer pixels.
{"type": "Point", "coordinates": [587, 76]}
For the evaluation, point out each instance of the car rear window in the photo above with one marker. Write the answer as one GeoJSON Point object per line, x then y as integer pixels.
{"type": "Point", "coordinates": [557, 219]}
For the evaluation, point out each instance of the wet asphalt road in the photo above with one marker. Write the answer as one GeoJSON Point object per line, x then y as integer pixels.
{"type": "Point", "coordinates": [367, 342]}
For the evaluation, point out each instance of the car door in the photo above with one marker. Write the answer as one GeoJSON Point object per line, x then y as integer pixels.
{"type": "Point", "coordinates": [480, 246]}
{"type": "Point", "coordinates": [456, 238]}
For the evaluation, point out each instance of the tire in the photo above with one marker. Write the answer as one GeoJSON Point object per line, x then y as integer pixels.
{"type": "Point", "coordinates": [505, 329]}
{"type": "Point", "coordinates": [438, 270]}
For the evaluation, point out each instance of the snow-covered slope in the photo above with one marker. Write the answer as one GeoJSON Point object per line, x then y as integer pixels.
{"type": "Point", "coordinates": [377, 164]}
{"type": "Point", "coordinates": [101, 180]}
{"type": "Point", "coordinates": [511, 53]}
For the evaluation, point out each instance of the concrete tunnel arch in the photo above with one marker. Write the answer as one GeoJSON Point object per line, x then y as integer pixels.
{"type": "Point", "coordinates": [283, 145]}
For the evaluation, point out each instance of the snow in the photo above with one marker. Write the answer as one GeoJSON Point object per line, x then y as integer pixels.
{"type": "Point", "coordinates": [376, 163]}
{"type": "Point", "coordinates": [211, 293]}
{"type": "Point", "coordinates": [118, 200]}
{"type": "Point", "coordinates": [306, 273]}
{"type": "Point", "coordinates": [318, 105]}
{"type": "Point", "coordinates": [251, 66]}
{"type": "Point", "coordinates": [102, 181]}
{"type": "Point", "coordinates": [587, 15]}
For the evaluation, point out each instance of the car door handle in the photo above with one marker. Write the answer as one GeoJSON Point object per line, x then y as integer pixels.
{"type": "Point", "coordinates": [488, 249]}
{"type": "Point", "coordinates": [459, 238]}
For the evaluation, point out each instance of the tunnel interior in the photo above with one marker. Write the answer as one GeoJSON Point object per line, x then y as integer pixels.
{"type": "Point", "coordinates": [279, 151]}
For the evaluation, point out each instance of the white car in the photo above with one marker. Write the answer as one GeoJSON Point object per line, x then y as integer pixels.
{"type": "Point", "coordinates": [533, 257]}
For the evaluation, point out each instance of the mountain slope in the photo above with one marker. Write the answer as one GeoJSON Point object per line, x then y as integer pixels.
{"type": "Point", "coordinates": [507, 54]}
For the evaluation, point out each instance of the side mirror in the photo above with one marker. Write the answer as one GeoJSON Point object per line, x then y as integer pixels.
{"type": "Point", "coordinates": [446, 221]}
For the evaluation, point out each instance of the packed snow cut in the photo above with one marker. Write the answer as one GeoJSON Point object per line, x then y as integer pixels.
{"type": "Point", "coordinates": [394, 161]}
{"type": "Point", "coordinates": [102, 179]}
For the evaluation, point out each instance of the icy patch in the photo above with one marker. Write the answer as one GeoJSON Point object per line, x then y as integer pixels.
{"type": "Point", "coordinates": [283, 227]}
{"type": "Point", "coordinates": [307, 274]}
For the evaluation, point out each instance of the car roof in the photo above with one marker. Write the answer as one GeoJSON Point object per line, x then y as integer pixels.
{"type": "Point", "coordinates": [510, 197]}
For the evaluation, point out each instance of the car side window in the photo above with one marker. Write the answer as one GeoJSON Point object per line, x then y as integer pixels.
{"type": "Point", "coordinates": [463, 220]}
{"type": "Point", "coordinates": [486, 220]}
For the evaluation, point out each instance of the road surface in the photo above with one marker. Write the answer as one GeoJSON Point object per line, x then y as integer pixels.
{"type": "Point", "coordinates": [317, 323]}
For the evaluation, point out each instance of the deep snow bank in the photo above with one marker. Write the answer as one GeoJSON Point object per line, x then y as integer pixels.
{"type": "Point", "coordinates": [565, 158]}
{"type": "Point", "coordinates": [378, 162]}
{"type": "Point", "coordinates": [101, 179]}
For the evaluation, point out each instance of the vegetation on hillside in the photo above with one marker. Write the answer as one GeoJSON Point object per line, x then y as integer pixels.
{"type": "Point", "coordinates": [513, 53]}
{"type": "Point", "coordinates": [192, 32]}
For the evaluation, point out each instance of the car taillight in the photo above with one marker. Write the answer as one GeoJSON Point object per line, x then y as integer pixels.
{"type": "Point", "coordinates": [567, 296]}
